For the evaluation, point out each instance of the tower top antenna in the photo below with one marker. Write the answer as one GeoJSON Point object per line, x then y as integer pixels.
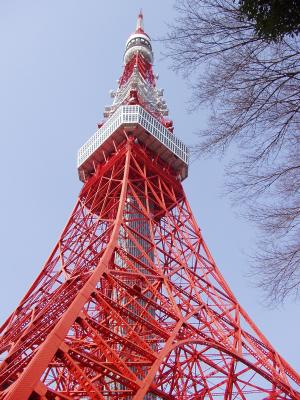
{"type": "Point", "coordinates": [140, 23]}
{"type": "Point", "coordinates": [139, 42]}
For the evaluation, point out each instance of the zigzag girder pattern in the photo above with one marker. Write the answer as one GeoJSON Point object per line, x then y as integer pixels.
{"type": "Point", "coordinates": [131, 305]}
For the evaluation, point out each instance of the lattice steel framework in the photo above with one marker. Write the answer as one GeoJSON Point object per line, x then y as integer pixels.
{"type": "Point", "coordinates": [131, 305]}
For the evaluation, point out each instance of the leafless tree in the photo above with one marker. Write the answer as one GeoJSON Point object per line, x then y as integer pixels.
{"type": "Point", "coordinates": [253, 90]}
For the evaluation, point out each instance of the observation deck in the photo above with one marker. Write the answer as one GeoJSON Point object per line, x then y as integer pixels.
{"type": "Point", "coordinates": [146, 128]}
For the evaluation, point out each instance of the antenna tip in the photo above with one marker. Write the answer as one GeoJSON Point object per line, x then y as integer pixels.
{"type": "Point", "coordinates": [140, 24]}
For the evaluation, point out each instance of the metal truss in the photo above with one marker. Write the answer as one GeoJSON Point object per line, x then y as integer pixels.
{"type": "Point", "coordinates": [138, 76]}
{"type": "Point", "coordinates": [131, 305]}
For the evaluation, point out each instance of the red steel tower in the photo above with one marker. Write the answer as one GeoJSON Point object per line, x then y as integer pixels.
{"type": "Point", "coordinates": [130, 304]}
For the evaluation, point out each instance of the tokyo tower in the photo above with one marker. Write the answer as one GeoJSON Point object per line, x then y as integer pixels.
{"type": "Point", "coordinates": [130, 304]}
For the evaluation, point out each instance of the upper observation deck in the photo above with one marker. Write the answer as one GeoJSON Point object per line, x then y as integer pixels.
{"type": "Point", "coordinates": [147, 129]}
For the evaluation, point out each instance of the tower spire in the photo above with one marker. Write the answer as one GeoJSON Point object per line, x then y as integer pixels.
{"type": "Point", "coordinates": [137, 84]}
{"type": "Point", "coordinates": [140, 23]}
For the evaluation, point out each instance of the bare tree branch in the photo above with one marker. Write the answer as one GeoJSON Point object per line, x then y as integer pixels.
{"type": "Point", "coordinates": [252, 88]}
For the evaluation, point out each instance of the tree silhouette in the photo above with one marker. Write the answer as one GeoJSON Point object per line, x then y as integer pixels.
{"type": "Point", "coordinates": [252, 87]}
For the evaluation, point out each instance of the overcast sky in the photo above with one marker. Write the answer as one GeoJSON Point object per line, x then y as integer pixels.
{"type": "Point", "coordinates": [59, 59]}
